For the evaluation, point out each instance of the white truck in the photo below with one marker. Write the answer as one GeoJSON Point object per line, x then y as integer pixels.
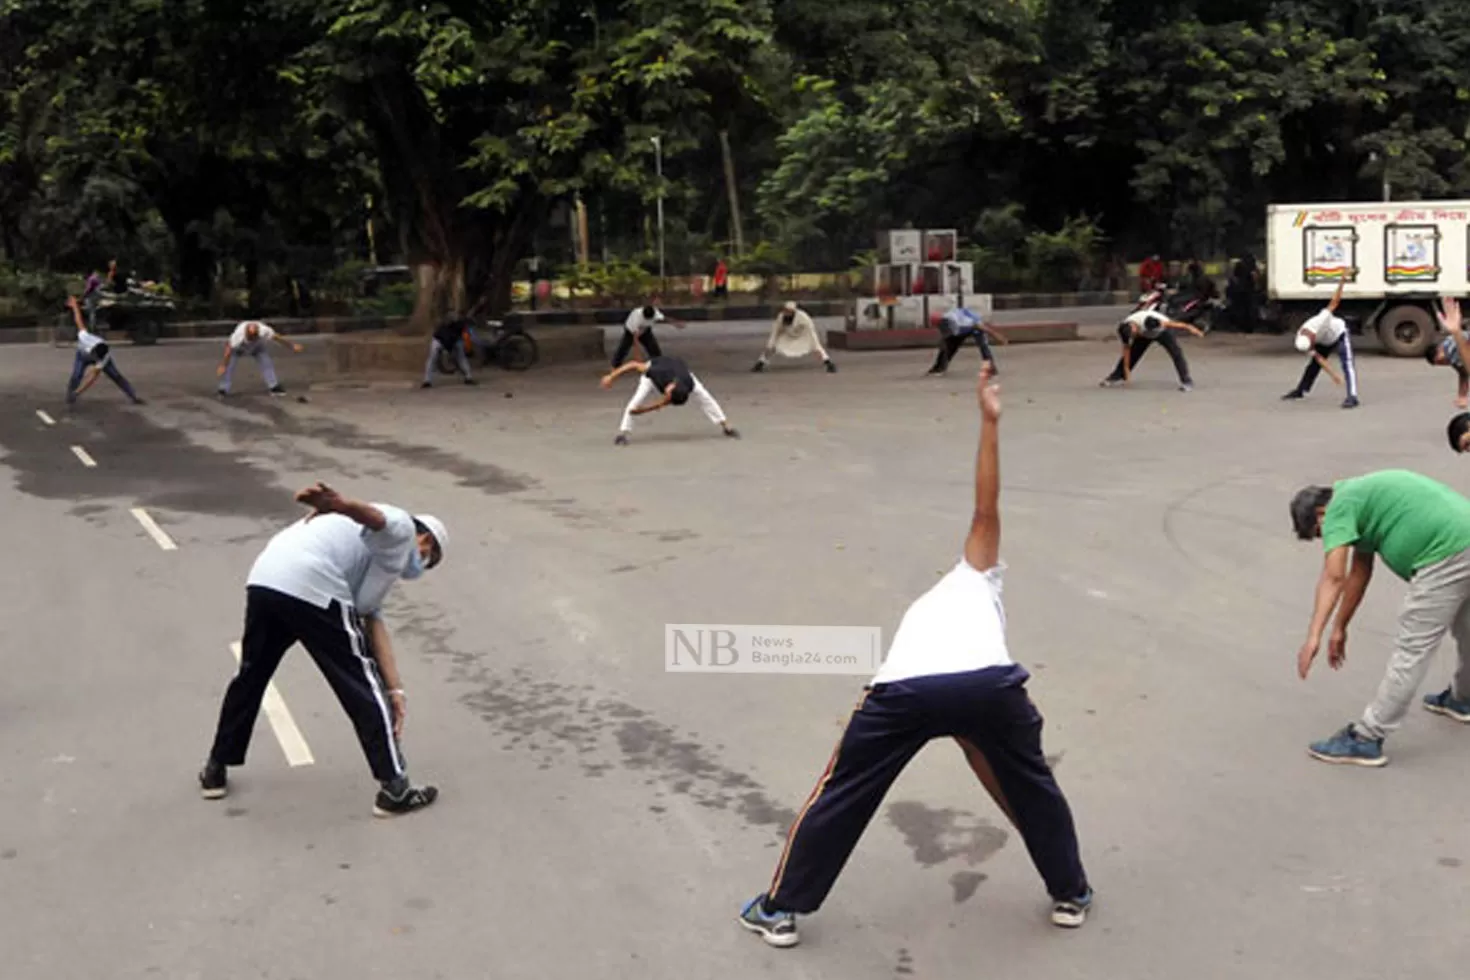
{"type": "Point", "coordinates": [1399, 258]}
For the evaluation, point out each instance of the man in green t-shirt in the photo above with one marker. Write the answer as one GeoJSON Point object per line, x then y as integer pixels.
{"type": "Point", "coordinates": [1421, 529]}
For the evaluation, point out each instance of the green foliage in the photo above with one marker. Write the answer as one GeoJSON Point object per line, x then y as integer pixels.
{"type": "Point", "coordinates": [618, 281]}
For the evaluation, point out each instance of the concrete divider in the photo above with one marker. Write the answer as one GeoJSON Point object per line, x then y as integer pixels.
{"type": "Point", "coordinates": [1016, 333]}
{"type": "Point", "coordinates": [392, 356]}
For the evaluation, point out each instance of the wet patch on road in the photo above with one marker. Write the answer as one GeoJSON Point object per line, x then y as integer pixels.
{"type": "Point", "coordinates": [936, 836]}
{"type": "Point", "coordinates": [964, 884]}
{"type": "Point", "coordinates": [561, 724]}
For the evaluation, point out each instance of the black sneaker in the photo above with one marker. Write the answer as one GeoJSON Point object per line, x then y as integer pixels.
{"type": "Point", "coordinates": [213, 783]}
{"type": "Point", "coordinates": [1071, 913]}
{"type": "Point", "coordinates": [621, 440]}
{"type": "Point", "coordinates": [278, 391]}
{"type": "Point", "coordinates": [139, 401]}
{"type": "Point", "coordinates": [1350, 402]}
{"type": "Point", "coordinates": [222, 394]}
{"type": "Point", "coordinates": [411, 799]}
{"type": "Point", "coordinates": [831, 368]}
{"type": "Point", "coordinates": [427, 384]}
{"type": "Point", "coordinates": [1293, 395]}
{"type": "Point", "coordinates": [471, 382]}
{"type": "Point", "coordinates": [758, 368]}
{"type": "Point", "coordinates": [776, 928]}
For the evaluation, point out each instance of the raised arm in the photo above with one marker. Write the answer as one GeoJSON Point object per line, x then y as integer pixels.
{"type": "Point", "coordinates": [1452, 319]}
{"type": "Point", "coordinates": [322, 499]}
{"type": "Point", "coordinates": [982, 545]}
{"type": "Point", "coordinates": [616, 373]}
{"type": "Point", "coordinates": [76, 312]}
{"type": "Point", "coordinates": [1337, 296]}
{"type": "Point", "coordinates": [1186, 327]}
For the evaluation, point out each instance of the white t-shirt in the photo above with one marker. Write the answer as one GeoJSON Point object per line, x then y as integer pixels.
{"type": "Point", "coordinates": [637, 321]}
{"type": "Point", "coordinates": [1143, 318]}
{"type": "Point", "coordinates": [87, 341]}
{"type": "Point", "coordinates": [1328, 328]}
{"type": "Point", "coordinates": [959, 625]}
{"type": "Point", "coordinates": [243, 344]}
{"type": "Point", "coordinates": [333, 557]}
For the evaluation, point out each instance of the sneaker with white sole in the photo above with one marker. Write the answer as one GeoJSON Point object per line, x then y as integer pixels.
{"type": "Point", "coordinates": [214, 784]}
{"type": "Point", "coordinates": [1444, 703]}
{"type": "Point", "coordinates": [411, 799]}
{"type": "Point", "coordinates": [1349, 748]}
{"type": "Point", "coordinates": [776, 928]}
{"type": "Point", "coordinates": [1071, 913]}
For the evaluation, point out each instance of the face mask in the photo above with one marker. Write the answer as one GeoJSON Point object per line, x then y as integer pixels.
{"type": "Point", "coordinates": [415, 566]}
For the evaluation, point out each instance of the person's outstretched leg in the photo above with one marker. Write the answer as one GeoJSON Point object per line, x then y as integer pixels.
{"type": "Point", "coordinates": [712, 410]}
{"type": "Point", "coordinates": [624, 348]}
{"type": "Point", "coordinates": [79, 365]}
{"type": "Point", "coordinates": [1136, 350]}
{"type": "Point", "coordinates": [1309, 378]}
{"type": "Point", "coordinates": [463, 360]}
{"type": "Point", "coordinates": [1170, 343]}
{"type": "Point", "coordinates": [434, 348]}
{"type": "Point", "coordinates": [646, 389]}
{"type": "Point", "coordinates": [110, 369]}
{"type": "Point", "coordinates": [269, 633]}
{"type": "Point", "coordinates": [1349, 369]}
{"type": "Point", "coordinates": [268, 372]}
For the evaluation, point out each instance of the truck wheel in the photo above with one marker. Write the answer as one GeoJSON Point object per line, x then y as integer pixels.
{"type": "Point", "coordinates": [1406, 331]}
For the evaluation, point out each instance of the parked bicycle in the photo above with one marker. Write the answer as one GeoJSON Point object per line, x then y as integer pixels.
{"type": "Point", "coordinates": [495, 343]}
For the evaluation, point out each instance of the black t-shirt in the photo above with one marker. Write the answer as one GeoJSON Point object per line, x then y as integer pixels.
{"type": "Point", "coordinates": [451, 330]}
{"type": "Point", "coordinates": [664, 371]}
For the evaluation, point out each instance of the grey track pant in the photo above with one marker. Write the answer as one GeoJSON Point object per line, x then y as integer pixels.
{"type": "Point", "coordinates": [1438, 601]}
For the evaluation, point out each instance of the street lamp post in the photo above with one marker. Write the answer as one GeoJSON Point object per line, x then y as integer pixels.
{"type": "Point", "coordinates": [658, 164]}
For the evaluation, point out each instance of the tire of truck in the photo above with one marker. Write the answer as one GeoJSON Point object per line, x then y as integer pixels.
{"type": "Point", "coordinates": [1406, 331]}
{"type": "Point", "coordinates": [144, 332]}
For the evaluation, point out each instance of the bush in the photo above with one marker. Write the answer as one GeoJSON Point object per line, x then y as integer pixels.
{"type": "Point", "coordinates": [37, 291]}
{"type": "Point", "coordinates": [393, 300]}
{"type": "Point", "coordinates": [1061, 260]}
{"type": "Point", "coordinates": [620, 281]}
{"type": "Point", "coordinates": [767, 260]}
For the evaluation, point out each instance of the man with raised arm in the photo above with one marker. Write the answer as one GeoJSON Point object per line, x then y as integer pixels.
{"type": "Point", "coordinates": [1421, 530]}
{"type": "Point", "coordinates": [93, 359]}
{"type": "Point", "coordinates": [948, 674]}
{"type": "Point", "coordinates": [321, 583]}
{"type": "Point", "coordinates": [1323, 335]}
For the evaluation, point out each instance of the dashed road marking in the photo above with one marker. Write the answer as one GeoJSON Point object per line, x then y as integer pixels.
{"type": "Point", "coordinates": [154, 531]}
{"type": "Point", "coordinates": [298, 753]}
{"type": "Point", "coordinates": [81, 454]}
{"type": "Point", "coordinates": [40, 414]}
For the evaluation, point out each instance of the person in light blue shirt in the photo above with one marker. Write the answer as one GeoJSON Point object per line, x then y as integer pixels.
{"type": "Point", "coordinates": [959, 325]}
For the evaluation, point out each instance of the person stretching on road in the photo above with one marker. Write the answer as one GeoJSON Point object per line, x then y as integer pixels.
{"type": "Point", "coordinates": [1322, 336]}
{"type": "Point", "coordinates": [959, 325]}
{"type": "Point", "coordinates": [454, 334]}
{"type": "Point", "coordinates": [1138, 332]}
{"type": "Point", "coordinates": [249, 340]}
{"type": "Point", "coordinates": [93, 359]}
{"type": "Point", "coordinates": [794, 334]}
{"type": "Point", "coordinates": [671, 378]}
{"type": "Point", "coordinates": [321, 582]}
{"type": "Point", "coordinates": [948, 674]}
{"type": "Point", "coordinates": [1421, 529]}
{"type": "Point", "coordinates": [1453, 350]}
{"type": "Point", "coordinates": [638, 328]}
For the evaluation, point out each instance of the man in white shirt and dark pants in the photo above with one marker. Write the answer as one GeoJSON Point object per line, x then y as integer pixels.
{"type": "Point", "coordinates": [321, 582]}
{"type": "Point", "coordinates": [1137, 333]}
{"type": "Point", "coordinates": [93, 359]}
{"type": "Point", "coordinates": [249, 340]}
{"type": "Point", "coordinates": [638, 328]}
{"type": "Point", "coordinates": [1322, 336]}
{"type": "Point", "coordinates": [948, 675]}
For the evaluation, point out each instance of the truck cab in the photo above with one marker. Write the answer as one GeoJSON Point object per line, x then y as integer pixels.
{"type": "Point", "coordinates": [1399, 258]}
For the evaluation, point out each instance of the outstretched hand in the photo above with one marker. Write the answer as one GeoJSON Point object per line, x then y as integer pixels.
{"type": "Point", "coordinates": [1450, 316]}
{"type": "Point", "coordinates": [989, 394]}
{"type": "Point", "coordinates": [321, 498]}
{"type": "Point", "coordinates": [607, 381]}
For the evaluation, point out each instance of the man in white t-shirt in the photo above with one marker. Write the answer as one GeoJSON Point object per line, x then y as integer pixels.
{"type": "Point", "coordinates": [1320, 337]}
{"type": "Point", "coordinates": [93, 359]}
{"type": "Point", "coordinates": [948, 675]}
{"type": "Point", "coordinates": [638, 328]}
{"type": "Point", "coordinates": [249, 340]}
{"type": "Point", "coordinates": [321, 582]}
{"type": "Point", "coordinates": [1138, 332]}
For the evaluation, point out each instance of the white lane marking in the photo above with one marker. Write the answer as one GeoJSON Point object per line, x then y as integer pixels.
{"type": "Point", "coordinates": [44, 417]}
{"type": "Point", "coordinates": [81, 454]}
{"type": "Point", "coordinates": [290, 737]}
{"type": "Point", "coordinates": [154, 531]}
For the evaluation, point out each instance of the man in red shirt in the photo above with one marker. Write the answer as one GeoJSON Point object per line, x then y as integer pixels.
{"type": "Point", "coordinates": [722, 281]}
{"type": "Point", "coordinates": [1150, 274]}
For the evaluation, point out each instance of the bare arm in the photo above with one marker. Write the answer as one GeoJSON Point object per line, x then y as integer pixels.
{"type": "Point", "coordinates": [288, 342]}
{"type": "Point", "coordinates": [1329, 591]}
{"type": "Point", "coordinates": [982, 545]}
{"type": "Point", "coordinates": [76, 312]}
{"type": "Point", "coordinates": [1355, 588]}
{"type": "Point", "coordinates": [1186, 327]}
{"type": "Point", "coordinates": [1452, 319]}
{"type": "Point", "coordinates": [382, 651]}
{"type": "Point", "coordinates": [1337, 296]}
{"type": "Point", "coordinates": [224, 361]}
{"type": "Point", "coordinates": [1464, 392]}
{"type": "Point", "coordinates": [322, 499]}
{"type": "Point", "coordinates": [993, 333]}
{"type": "Point", "coordinates": [611, 376]}
{"type": "Point", "coordinates": [90, 378]}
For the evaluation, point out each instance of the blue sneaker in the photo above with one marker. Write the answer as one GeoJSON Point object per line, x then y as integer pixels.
{"type": "Point", "coordinates": [776, 928]}
{"type": "Point", "coordinates": [1347, 747]}
{"type": "Point", "coordinates": [1072, 912]}
{"type": "Point", "coordinates": [1444, 703]}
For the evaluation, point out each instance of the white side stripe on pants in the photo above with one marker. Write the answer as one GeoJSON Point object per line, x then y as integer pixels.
{"type": "Point", "coordinates": [369, 670]}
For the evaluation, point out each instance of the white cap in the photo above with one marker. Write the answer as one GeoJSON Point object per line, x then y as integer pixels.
{"type": "Point", "coordinates": [1303, 343]}
{"type": "Point", "coordinates": [437, 529]}
{"type": "Point", "coordinates": [790, 306]}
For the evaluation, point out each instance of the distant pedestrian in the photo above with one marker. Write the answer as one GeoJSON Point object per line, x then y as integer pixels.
{"type": "Point", "coordinates": [638, 328]}
{"type": "Point", "coordinates": [1322, 336]}
{"type": "Point", "coordinates": [670, 378]}
{"type": "Point", "coordinates": [249, 340]}
{"type": "Point", "coordinates": [1151, 274]}
{"type": "Point", "coordinates": [93, 359]}
{"type": "Point", "coordinates": [321, 582]}
{"type": "Point", "coordinates": [948, 674]}
{"type": "Point", "coordinates": [455, 334]}
{"type": "Point", "coordinates": [1421, 530]}
{"type": "Point", "coordinates": [721, 281]}
{"type": "Point", "coordinates": [1137, 333]}
{"type": "Point", "coordinates": [794, 334]}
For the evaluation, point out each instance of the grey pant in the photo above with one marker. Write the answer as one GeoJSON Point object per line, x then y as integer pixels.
{"type": "Point", "coordinates": [459, 356]}
{"type": "Point", "coordinates": [1438, 601]}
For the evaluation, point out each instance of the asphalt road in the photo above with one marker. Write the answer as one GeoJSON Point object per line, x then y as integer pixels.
{"type": "Point", "coordinates": [603, 818]}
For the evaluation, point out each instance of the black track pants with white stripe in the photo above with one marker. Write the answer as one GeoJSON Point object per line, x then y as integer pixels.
{"type": "Point", "coordinates": [334, 638]}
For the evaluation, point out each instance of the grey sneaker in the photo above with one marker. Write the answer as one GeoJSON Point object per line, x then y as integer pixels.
{"type": "Point", "coordinates": [1110, 383]}
{"type": "Point", "coordinates": [1444, 703]}
{"type": "Point", "coordinates": [1347, 747]}
{"type": "Point", "coordinates": [776, 928]}
{"type": "Point", "coordinates": [1071, 913]}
